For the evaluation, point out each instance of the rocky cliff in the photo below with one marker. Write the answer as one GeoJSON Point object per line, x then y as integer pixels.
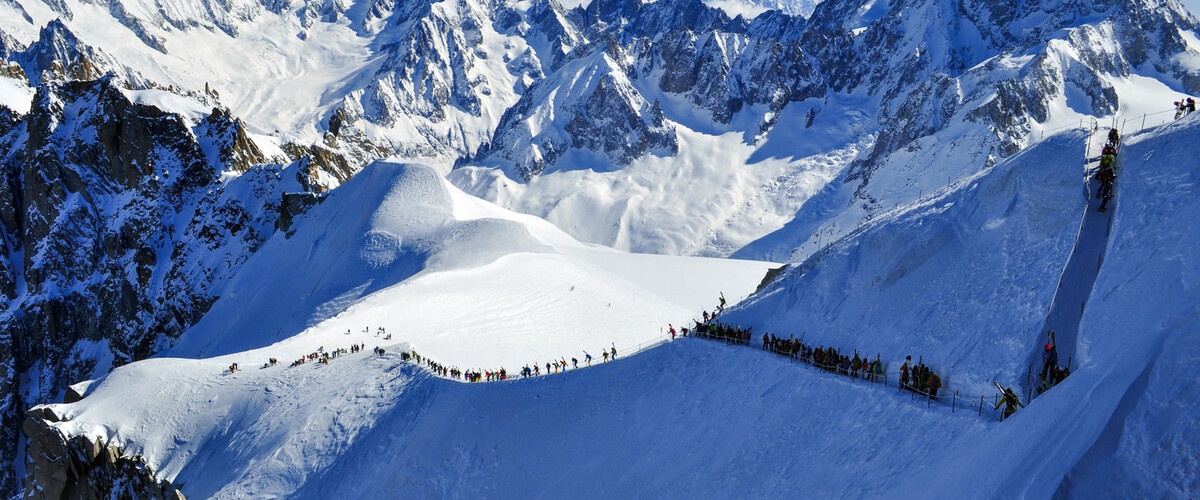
{"type": "Point", "coordinates": [85, 468]}
{"type": "Point", "coordinates": [116, 225]}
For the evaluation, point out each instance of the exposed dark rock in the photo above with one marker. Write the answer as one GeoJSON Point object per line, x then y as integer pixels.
{"type": "Point", "coordinates": [83, 468]}
{"type": "Point", "coordinates": [315, 159]}
{"type": "Point", "coordinates": [228, 136]}
{"type": "Point", "coordinates": [294, 204]}
{"type": "Point", "coordinates": [95, 188]}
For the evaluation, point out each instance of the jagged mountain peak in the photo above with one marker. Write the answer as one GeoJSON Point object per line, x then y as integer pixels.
{"type": "Point", "coordinates": [589, 107]}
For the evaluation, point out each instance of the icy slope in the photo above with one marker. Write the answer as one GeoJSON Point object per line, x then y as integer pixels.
{"type": "Point", "coordinates": [1140, 328]}
{"type": "Point", "coordinates": [734, 420]}
{"type": "Point", "coordinates": [369, 427]}
{"type": "Point", "coordinates": [467, 282]}
{"type": "Point", "coordinates": [962, 278]}
{"type": "Point", "coordinates": [1124, 423]}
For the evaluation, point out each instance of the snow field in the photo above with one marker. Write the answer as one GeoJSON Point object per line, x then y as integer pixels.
{"type": "Point", "coordinates": [963, 279]}
{"type": "Point", "coordinates": [372, 426]}
{"type": "Point", "coordinates": [469, 284]}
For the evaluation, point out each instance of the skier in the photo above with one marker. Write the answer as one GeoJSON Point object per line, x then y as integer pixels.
{"type": "Point", "coordinates": [672, 331]}
{"type": "Point", "coordinates": [766, 341]}
{"type": "Point", "coordinates": [1191, 105]}
{"type": "Point", "coordinates": [605, 351]}
{"type": "Point", "coordinates": [1049, 361]}
{"type": "Point", "coordinates": [1011, 402]}
{"type": "Point", "coordinates": [614, 352]}
{"type": "Point", "coordinates": [1107, 161]}
{"type": "Point", "coordinates": [935, 383]}
{"type": "Point", "coordinates": [1107, 177]}
{"type": "Point", "coordinates": [575, 363]}
{"type": "Point", "coordinates": [587, 358]}
{"type": "Point", "coordinates": [1114, 137]}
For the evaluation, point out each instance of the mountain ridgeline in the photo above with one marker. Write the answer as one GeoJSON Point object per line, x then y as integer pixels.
{"type": "Point", "coordinates": [121, 218]}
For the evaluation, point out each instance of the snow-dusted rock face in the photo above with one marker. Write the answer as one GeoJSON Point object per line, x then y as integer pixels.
{"type": "Point", "coordinates": [590, 105]}
{"type": "Point", "coordinates": [114, 226]}
{"type": "Point", "coordinates": [999, 64]}
{"type": "Point", "coordinates": [78, 467]}
{"type": "Point", "coordinates": [723, 72]}
{"type": "Point", "coordinates": [58, 54]}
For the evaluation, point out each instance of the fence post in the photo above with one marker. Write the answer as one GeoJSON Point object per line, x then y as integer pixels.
{"type": "Point", "coordinates": [981, 406]}
{"type": "Point", "coordinates": [953, 402]}
{"type": "Point", "coordinates": [1143, 123]}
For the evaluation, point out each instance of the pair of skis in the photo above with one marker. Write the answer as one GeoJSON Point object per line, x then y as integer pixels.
{"type": "Point", "coordinates": [1005, 393]}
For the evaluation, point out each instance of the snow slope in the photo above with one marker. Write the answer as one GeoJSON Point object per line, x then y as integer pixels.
{"type": "Point", "coordinates": [370, 427]}
{"type": "Point", "coordinates": [962, 278]}
{"type": "Point", "coordinates": [466, 282]}
{"type": "Point", "coordinates": [1139, 331]}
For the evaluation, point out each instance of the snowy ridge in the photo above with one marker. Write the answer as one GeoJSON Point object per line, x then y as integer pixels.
{"type": "Point", "coordinates": [142, 172]}
{"type": "Point", "coordinates": [654, 412]}
{"type": "Point", "coordinates": [414, 263]}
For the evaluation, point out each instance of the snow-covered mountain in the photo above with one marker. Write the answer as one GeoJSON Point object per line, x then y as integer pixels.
{"type": "Point", "coordinates": [412, 263]}
{"type": "Point", "coordinates": [151, 150]}
{"type": "Point", "coordinates": [367, 425]}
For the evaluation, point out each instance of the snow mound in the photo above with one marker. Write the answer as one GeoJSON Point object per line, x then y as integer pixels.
{"type": "Point", "coordinates": [467, 282]}
{"type": "Point", "coordinates": [343, 250]}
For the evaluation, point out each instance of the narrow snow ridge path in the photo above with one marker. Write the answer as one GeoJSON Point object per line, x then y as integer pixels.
{"type": "Point", "coordinates": [1078, 277]}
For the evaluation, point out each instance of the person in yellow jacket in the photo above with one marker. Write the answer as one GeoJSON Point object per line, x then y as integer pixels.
{"type": "Point", "coordinates": [1011, 402]}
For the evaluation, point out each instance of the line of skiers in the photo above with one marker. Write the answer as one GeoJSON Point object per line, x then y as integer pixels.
{"type": "Point", "coordinates": [321, 356]}
{"type": "Point", "coordinates": [826, 358]}
{"type": "Point", "coordinates": [919, 379]}
{"type": "Point", "coordinates": [721, 331]}
{"type": "Point", "coordinates": [1184, 107]}
{"type": "Point", "coordinates": [1106, 176]}
{"type": "Point", "coordinates": [555, 366]}
{"type": "Point", "coordinates": [561, 365]}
